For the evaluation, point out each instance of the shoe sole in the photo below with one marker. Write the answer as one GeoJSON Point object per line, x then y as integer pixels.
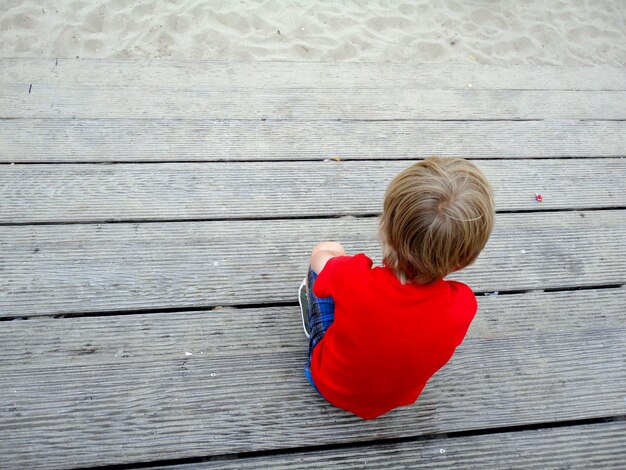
{"type": "Point", "coordinates": [300, 302]}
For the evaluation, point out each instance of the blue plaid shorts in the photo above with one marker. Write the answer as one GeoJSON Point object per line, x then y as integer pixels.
{"type": "Point", "coordinates": [321, 315]}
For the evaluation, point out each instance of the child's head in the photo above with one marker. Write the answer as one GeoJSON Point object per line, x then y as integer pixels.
{"type": "Point", "coordinates": [437, 217]}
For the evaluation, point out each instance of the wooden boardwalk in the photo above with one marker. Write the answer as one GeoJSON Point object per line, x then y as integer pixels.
{"type": "Point", "coordinates": [156, 219]}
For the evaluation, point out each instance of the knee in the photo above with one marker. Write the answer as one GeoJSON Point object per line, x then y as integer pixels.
{"type": "Point", "coordinates": [323, 252]}
{"type": "Point", "coordinates": [334, 247]}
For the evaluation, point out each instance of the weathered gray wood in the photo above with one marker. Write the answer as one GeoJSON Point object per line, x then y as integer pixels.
{"type": "Point", "coordinates": [66, 193]}
{"type": "Point", "coordinates": [135, 101]}
{"type": "Point", "coordinates": [67, 140]}
{"type": "Point", "coordinates": [170, 73]}
{"type": "Point", "coordinates": [114, 267]}
{"type": "Point", "coordinates": [123, 389]}
{"type": "Point", "coordinates": [600, 445]}
{"type": "Point", "coordinates": [107, 390]}
{"type": "Point", "coordinates": [129, 412]}
{"type": "Point", "coordinates": [228, 332]}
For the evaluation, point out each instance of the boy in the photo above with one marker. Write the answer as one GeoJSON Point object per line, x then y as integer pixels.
{"type": "Point", "coordinates": [376, 335]}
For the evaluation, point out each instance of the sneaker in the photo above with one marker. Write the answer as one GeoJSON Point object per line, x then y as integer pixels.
{"type": "Point", "coordinates": [303, 300]}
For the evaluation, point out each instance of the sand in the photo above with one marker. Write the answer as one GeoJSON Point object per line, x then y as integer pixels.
{"type": "Point", "coordinates": [566, 32]}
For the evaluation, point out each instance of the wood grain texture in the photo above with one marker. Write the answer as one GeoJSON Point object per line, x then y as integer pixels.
{"type": "Point", "coordinates": [193, 406]}
{"type": "Point", "coordinates": [229, 332]}
{"type": "Point", "coordinates": [578, 447]}
{"type": "Point", "coordinates": [135, 101]}
{"type": "Point", "coordinates": [123, 389]}
{"type": "Point", "coordinates": [111, 140]}
{"type": "Point", "coordinates": [98, 193]}
{"type": "Point", "coordinates": [116, 267]}
{"type": "Point", "coordinates": [184, 74]}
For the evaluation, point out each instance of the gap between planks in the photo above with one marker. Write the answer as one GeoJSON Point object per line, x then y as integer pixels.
{"type": "Point", "coordinates": [281, 218]}
{"type": "Point", "coordinates": [208, 308]}
{"type": "Point", "coordinates": [589, 158]}
{"type": "Point", "coordinates": [442, 440]}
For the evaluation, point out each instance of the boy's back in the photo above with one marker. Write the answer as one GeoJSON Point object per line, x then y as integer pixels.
{"type": "Point", "coordinates": [387, 339]}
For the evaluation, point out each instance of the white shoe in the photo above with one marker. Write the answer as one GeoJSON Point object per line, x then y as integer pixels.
{"type": "Point", "coordinates": [303, 301]}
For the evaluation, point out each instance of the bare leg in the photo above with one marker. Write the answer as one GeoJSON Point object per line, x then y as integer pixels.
{"type": "Point", "coordinates": [323, 252]}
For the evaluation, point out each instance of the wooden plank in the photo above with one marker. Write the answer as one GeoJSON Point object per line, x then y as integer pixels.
{"type": "Point", "coordinates": [601, 445]}
{"type": "Point", "coordinates": [165, 409]}
{"type": "Point", "coordinates": [179, 191]}
{"type": "Point", "coordinates": [167, 73]}
{"type": "Point", "coordinates": [229, 332]}
{"type": "Point", "coordinates": [109, 346]}
{"type": "Point", "coordinates": [52, 269]}
{"type": "Point", "coordinates": [68, 140]}
{"type": "Point", "coordinates": [135, 101]}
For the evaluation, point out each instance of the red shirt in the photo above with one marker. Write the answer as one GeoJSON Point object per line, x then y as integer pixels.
{"type": "Point", "coordinates": [387, 339]}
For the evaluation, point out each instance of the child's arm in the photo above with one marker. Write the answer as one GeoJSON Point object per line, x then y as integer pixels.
{"type": "Point", "coordinates": [323, 252]}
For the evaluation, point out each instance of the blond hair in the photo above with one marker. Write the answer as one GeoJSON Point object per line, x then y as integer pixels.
{"type": "Point", "coordinates": [437, 217]}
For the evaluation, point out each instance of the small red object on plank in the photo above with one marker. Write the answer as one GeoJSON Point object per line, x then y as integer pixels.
{"type": "Point", "coordinates": [538, 197]}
